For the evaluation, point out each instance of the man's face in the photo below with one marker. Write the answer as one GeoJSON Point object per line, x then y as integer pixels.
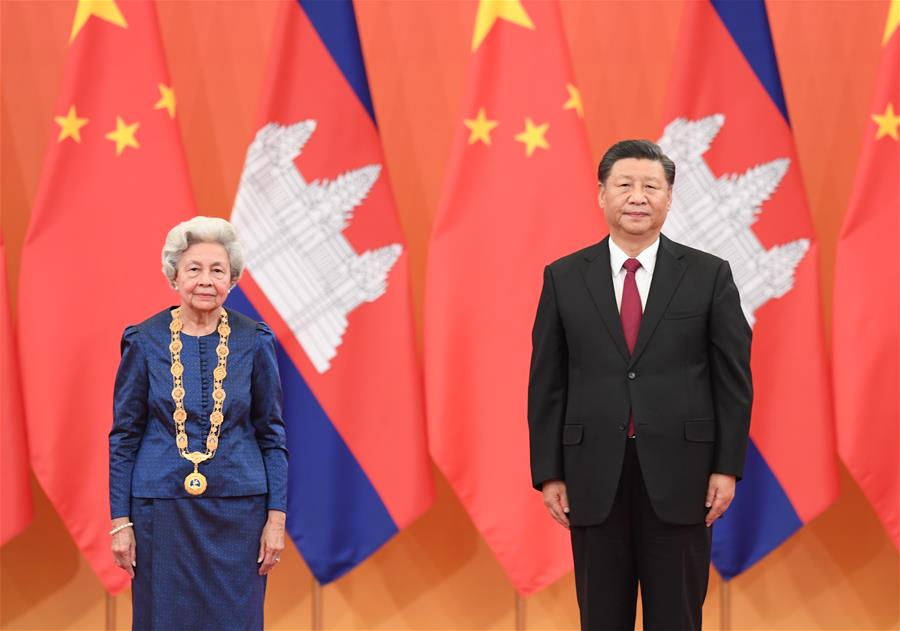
{"type": "Point", "coordinates": [635, 198]}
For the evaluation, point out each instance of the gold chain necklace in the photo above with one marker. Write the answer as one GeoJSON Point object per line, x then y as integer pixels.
{"type": "Point", "coordinates": [195, 483]}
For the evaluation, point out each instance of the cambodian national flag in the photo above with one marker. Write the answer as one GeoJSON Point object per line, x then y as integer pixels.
{"type": "Point", "coordinates": [738, 194]}
{"type": "Point", "coordinates": [327, 269]}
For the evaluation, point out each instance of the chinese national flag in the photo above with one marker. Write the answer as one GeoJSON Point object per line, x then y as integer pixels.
{"type": "Point", "coordinates": [520, 193]}
{"type": "Point", "coordinates": [15, 489]}
{"type": "Point", "coordinates": [866, 343]}
{"type": "Point", "coordinates": [114, 182]}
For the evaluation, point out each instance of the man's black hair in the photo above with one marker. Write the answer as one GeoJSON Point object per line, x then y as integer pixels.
{"type": "Point", "coordinates": [639, 149]}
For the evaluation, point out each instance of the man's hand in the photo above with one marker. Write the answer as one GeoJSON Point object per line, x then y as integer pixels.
{"type": "Point", "coordinates": [718, 496]}
{"type": "Point", "coordinates": [556, 500]}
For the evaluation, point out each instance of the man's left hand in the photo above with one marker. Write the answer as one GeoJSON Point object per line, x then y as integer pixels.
{"type": "Point", "coordinates": [718, 496]}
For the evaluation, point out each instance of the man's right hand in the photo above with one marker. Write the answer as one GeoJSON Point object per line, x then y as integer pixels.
{"type": "Point", "coordinates": [556, 500]}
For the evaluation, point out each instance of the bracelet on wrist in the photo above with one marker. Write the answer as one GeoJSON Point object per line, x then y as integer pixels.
{"type": "Point", "coordinates": [122, 527]}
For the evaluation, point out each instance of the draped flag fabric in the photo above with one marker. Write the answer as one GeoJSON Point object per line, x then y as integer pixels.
{"type": "Point", "coordinates": [738, 194]}
{"type": "Point", "coordinates": [866, 339]}
{"type": "Point", "coordinates": [114, 182]}
{"type": "Point", "coordinates": [328, 271]}
{"type": "Point", "coordinates": [520, 193]}
{"type": "Point", "coordinates": [15, 488]}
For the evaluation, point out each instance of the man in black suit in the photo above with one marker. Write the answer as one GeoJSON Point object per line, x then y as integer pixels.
{"type": "Point", "coordinates": [639, 402]}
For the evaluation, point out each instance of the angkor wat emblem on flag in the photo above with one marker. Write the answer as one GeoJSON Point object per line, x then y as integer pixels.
{"type": "Point", "coordinates": [292, 232]}
{"type": "Point", "coordinates": [716, 214]}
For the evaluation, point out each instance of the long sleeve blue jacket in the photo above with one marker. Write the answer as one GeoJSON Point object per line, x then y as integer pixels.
{"type": "Point", "coordinates": [251, 457]}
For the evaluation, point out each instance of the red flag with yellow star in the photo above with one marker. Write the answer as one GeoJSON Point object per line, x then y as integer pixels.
{"type": "Point", "coordinates": [15, 488]}
{"type": "Point", "coordinates": [520, 193]}
{"type": "Point", "coordinates": [114, 182]}
{"type": "Point", "coordinates": [866, 335]}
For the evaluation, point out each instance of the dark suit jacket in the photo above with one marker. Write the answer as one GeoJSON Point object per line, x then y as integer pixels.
{"type": "Point", "coordinates": [252, 456]}
{"type": "Point", "coordinates": [687, 382]}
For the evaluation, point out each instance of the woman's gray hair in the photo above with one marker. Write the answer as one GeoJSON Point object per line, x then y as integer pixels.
{"type": "Point", "coordinates": [202, 230]}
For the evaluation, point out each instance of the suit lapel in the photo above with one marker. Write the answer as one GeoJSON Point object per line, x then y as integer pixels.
{"type": "Point", "coordinates": [598, 277]}
{"type": "Point", "coordinates": [666, 276]}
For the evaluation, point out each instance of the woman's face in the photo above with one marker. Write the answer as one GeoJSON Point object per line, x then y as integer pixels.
{"type": "Point", "coordinates": [203, 276]}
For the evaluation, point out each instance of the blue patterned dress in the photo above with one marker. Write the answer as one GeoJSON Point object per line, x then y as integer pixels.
{"type": "Point", "coordinates": [196, 555]}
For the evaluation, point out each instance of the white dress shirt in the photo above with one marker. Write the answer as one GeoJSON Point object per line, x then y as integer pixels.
{"type": "Point", "coordinates": [642, 276]}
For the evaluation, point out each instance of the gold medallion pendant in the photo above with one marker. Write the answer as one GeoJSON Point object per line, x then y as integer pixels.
{"type": "Point", "coordinates": [195, 483]}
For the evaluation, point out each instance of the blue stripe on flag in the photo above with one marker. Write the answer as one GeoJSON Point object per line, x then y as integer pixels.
{"type": "Point", "coordinates": [748, 23]}
{"type": "Point", "coordinates": [335, 516]}
{"type": "Point", "coordinates": [335, 22]}
{"type": "Point", "coordinates": [759, 520]}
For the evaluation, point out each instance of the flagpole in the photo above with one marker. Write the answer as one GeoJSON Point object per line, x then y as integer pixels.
{"type": "Point", "coordinates": [520, 612]}
{"type": "Point", "coordinates": [725, 605]}
{"type": "Point", "coordinates": [316, 605]}
{"type": "Point", "coordinates": [110, 611]}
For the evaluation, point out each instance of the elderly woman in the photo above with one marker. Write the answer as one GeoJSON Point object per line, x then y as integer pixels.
{"type": "Point", "coordinates": [197, 457]}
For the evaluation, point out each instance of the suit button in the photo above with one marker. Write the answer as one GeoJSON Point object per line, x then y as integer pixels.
{"type": "Point", "coordinates": [622, 427]}
{"type": "Point", "coordinates": [632, 376]}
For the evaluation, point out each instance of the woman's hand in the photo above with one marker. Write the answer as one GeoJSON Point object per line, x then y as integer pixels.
{"type": "Point", "coordinates": [124, 547]}
{"type": "Point", "coordinates": [271, 543]}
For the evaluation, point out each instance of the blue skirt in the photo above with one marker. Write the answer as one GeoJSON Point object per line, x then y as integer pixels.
{"type": "Point", "coordinates": [196, 563]}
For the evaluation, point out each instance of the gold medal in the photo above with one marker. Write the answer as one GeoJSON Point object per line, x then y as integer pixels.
{"type": "Point", "coordinates": [195, 483]}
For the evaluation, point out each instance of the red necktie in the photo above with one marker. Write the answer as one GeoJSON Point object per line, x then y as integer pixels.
{"type": "Point", "coordinates": [631, 313]}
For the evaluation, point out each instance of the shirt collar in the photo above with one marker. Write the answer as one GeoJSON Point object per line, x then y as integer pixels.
{"type": "Point", "coordinates": [647, 257]}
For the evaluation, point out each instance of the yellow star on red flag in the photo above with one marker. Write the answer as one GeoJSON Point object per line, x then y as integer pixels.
{"type": "Point", "coordinates": [166, 100]}
{"type": "Point", "coordinates": [533, 136]}
{"type": "Point", "coordinates": [574, 102]}
{"type": "Point", "coordinates": [489, 11]}
{"type": "Point", "coordinates": [104, 9]}
{"type": "Point", "coordinates": [887, 123]}
{"type": "Point", "coordinates": [893, 21]}
{"type": "Point", "coordinates": [70, 125]}
{"type": "Point", "coordinates": [480, 127]}
{"type": "Point", "coordinates": [123, 135]}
